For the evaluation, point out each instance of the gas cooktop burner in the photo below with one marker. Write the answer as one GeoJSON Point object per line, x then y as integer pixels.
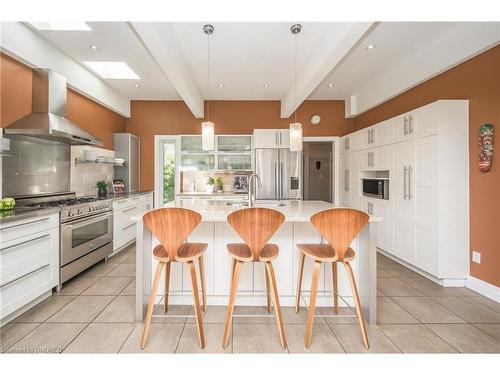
{"type": "Point", "coordinates": [65, 202]}
{"type": "Point", "coordinates": [71, 207]}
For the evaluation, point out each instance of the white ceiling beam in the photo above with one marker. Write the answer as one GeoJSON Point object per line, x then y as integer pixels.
{"type": "Point", "coordinates": [29, 47]}
{"type": "Point", "coordinates": [160, 41]}
{"type": "Point", "coordinates": [445, 52]}
{"type": "Point", "coordinates": [338, 41]}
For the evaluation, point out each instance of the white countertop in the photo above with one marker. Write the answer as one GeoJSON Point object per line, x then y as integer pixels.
{"type": "Point", "coordinates": [293, 210]}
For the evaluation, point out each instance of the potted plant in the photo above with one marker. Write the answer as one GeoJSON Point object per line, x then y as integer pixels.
{"type": "Point", "coordinates": [210, 184]}
{"type": "Point", "coordinates": [220, 184]}
{"type": "Point", "coordinates": [102, 188]}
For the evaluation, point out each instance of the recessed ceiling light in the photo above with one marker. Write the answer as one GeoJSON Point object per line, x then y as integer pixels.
{"type": "Point", "coordinates": [221, 85]}
{"type": "Point", "coordinates": [136, 85]}
{"type": "Point", "coordinates": [62, 26]}
{"type": "Point", "coordinates": [330, 85]}
{"type": "Point", "coordinates": [94, 47]}
{"type": "Point", "coordinates": [370, 47]}
{"type": "Point", "coordinates": [112, 69]}
{"type": "Point", "coordinates": [266, 85]}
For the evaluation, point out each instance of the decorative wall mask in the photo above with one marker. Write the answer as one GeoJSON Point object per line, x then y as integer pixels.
{"type": "Point", "coordinates": [485, 147]}
{"type": "Point", "coordinates": [318, 165]}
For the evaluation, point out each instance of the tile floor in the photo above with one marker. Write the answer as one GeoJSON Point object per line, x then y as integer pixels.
{"type": "Point", "coordinates": [94, 313]}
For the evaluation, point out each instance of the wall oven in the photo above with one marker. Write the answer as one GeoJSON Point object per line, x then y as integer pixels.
{"type": "Point", "coordinates": [376, 187]}
{"type": "Point", "coordinates": [83, 242]}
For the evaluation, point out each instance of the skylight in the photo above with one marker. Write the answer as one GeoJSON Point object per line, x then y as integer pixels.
{"type": "Point", "coordinates": [112, 69]}
{"type": "Point", "coordinates": [62, 26]}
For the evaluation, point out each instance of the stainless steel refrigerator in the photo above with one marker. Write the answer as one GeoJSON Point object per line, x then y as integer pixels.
{"type": "Point", "coordinates": [280, 171]}
{"type": "Point", "coordinates": [127, 146]}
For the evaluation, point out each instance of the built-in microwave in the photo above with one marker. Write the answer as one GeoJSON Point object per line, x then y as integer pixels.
{"type": "Point", "coordinates": [376, 187]}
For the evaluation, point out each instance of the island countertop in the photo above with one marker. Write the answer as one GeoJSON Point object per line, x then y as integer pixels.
{"type": "Point", "coordinates": [215, 231]}
{"type": "Point", "coordinates": [212, 210]}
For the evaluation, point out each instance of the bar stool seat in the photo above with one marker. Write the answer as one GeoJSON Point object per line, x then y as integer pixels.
{"type": "Point", "coordinates": [186, 252]}
{"type": "Point", "coordinates": [242, 252]}
{"type": "Point", "coordinates": [324, 252]}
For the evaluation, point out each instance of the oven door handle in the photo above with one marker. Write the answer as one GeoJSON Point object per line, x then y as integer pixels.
{"type": "Point", "coordinates": [85, 221]}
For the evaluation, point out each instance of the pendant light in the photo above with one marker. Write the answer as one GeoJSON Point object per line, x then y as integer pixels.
{"type": "Point", "coordinates": [295, 127]}
{"type": "Point", "coordinates": [208, 127]}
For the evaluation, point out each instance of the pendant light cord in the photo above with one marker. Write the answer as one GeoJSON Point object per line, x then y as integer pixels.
{"type": "Point", "coordinates": [208, 76]}
{"type": "Point", "coordinates": [295, 78]}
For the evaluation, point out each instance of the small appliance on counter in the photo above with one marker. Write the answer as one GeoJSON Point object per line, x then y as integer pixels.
{"type": "Point", "coordinates": [240, 183]}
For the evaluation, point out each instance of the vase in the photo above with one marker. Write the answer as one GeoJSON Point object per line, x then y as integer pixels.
{"type": "Point", "coordinates": [102, 192]}
{"type": "Point", "coordinates": [210, 188]}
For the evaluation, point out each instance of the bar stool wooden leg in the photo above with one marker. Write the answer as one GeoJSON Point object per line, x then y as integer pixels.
{"type": "Point", "coordinates": [357, 304]}
{"type": "Point", "coordinates": [167, 286]}
{"type": "Point", "coordinates": [197, 308]}
{"type": "Point", "coordinates": [201, 264]}
{"type": "Point", "coordinates": [335, 288]}
{"type": "Point", "coordinates": [299, 281]}
{"type": "Point", "coordinates": [312, 303]}
{"type": "Point", "coordinates": [276, 302]}
{"type": "Point", "coordinates": [151, 303]}
{"type": "Point", "coordinates": [230, 306]}
{"type": "Point", "coordinates": [268, 291]}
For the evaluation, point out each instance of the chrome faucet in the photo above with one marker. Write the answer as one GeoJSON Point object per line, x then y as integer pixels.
{"type": "Point", "coordinates": [250, 187]}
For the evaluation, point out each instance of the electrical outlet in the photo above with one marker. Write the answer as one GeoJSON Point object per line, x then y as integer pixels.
{"type": "Point", "coordinates": [476, 257]}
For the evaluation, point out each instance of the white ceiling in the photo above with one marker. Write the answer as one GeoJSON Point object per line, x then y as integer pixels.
{"type": "Point", "coordinates": [116, 42]}
{"type": "Point", "coordinates": [247, 56]}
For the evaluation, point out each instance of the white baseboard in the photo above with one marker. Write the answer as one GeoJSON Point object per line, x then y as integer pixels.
{"type": "Point", "coordinates": [445, 282]}
{"type": "Point", "coordinates": [484, 288]}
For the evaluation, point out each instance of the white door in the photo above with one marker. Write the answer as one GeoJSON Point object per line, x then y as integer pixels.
{"type": "Point", "coordinates": [266, 138]}
{"type": "Point", "coordinates": [423, 177]}
{"type": "Point", "coordinates": [425, 122]}
{"type": "Point", "coordinates": [403, 206]}
{"type": "Point", "coordinates": [382, 208]}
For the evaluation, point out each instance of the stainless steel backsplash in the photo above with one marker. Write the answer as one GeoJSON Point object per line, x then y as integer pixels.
{"type": "Point", "coordinates": [40, 167]}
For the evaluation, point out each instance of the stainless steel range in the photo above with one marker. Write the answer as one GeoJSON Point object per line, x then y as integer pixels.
{"type": "Point", "coordinates": [86, 230]}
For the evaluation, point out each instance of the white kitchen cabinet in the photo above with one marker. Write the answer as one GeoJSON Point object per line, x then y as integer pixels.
{"type": "Point", "coordinates": [380, 208]}
{"type": "Point", "coordinates": [421, 122]}
{"type": "Point", "coordinates": [376, 159]}
{"type": "Point", "coordinates": [425, 152]}
{"type": "Point", "coordinates": [29, 262]}
{"type": "Point", "coordinates": [124, 228]}
{"type": "Point", "coordinates": [350, 142]}
{"type": "Point", "coordinates": [271, 138]}
{"type": "Point", "coordinates": [377, 135]}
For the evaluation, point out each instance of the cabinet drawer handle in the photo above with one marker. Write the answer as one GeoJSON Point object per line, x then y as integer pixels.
{"type": "Point", "coordinates": [129, 209]}
{"type": "Point", "coordinates": [410, 124]}
{"type": "Point", "coordinates": [25, 242]}
{"type": "Point", "coordinates": [24, 276]}
{"type": "Point", "coordinates": [128, 226]}
{"type": "Point", "coordinates": [26, 224]}
{"type": "Point", "coordinates": [406, 126]}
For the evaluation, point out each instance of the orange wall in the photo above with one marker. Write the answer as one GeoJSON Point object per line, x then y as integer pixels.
{"type": "Point", "coordinates": [477, 80]}
{"type": "Point", "coordinates": [150, 118]}
{"type": "Point", "coordinates": [15, 102]}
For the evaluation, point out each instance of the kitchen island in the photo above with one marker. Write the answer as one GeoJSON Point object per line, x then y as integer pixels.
{"type": "Point", "coordinates": [215, 231]}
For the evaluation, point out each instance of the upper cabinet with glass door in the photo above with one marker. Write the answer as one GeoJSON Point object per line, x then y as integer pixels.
{"type": "Point", "coordinates": [236, 144]}
{"type": "Point", "coordinates": [232, 152]}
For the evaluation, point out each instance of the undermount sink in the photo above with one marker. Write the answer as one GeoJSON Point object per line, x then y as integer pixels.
{"type": "Point", "coordinates": [239, 204]}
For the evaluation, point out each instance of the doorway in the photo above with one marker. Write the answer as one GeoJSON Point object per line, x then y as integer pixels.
{"type": "Point", "coordinates": [318, 171]}
{"type": "Point", "coordinates": [165, 170]}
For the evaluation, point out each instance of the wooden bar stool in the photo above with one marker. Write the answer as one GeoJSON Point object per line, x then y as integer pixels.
{"type": "Point", "coordinates": [172, 226]}
{"type": "Point", "coordinates": [339, 226]}
{"type": "Point", "coordinates": [255, 226]}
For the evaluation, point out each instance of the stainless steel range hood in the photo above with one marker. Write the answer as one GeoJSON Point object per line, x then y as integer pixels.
{"type": "Point", "coordinates": [47, 119]}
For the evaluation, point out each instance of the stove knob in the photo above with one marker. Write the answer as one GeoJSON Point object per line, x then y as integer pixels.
{"type": "Point", "coordinates": [89, 209]}
{"type": "Point", "coordinates": [79, 211]}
